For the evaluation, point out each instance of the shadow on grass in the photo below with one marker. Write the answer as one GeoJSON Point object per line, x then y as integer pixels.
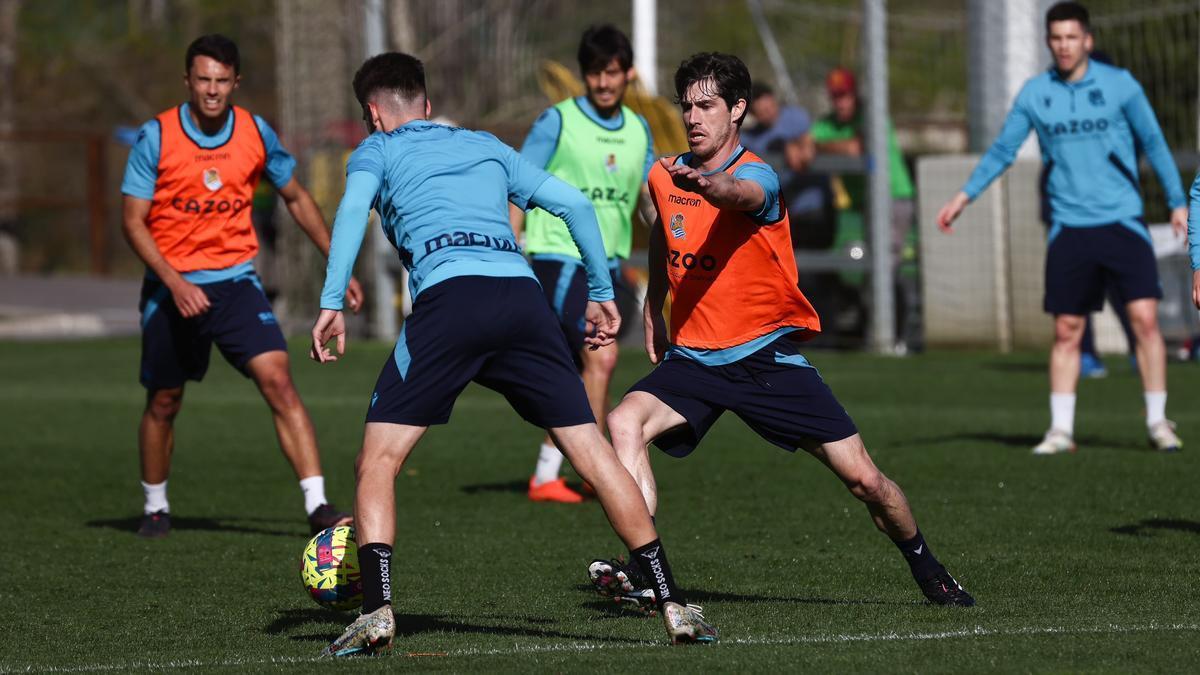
{"type": "Point", "coordinates": [1016, 366]}
{"type": "Point", "coordinates": [1150, 526]}
{"type": "Point", "coordinates": [215, 524]}
{"type": "Point", "coordinates": [1018, 441]}
{"type": "Point", "coordinates": [415, 624]}
{"type": "Point", "coordinates": [515, 487]}
{"type": "Point", "coordinates": [512, 487]}
{"type": "Point", "coordinates": [615, 609]}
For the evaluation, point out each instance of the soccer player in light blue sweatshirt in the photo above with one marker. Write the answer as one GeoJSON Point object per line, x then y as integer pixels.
{"type": "Point", "coordinates": [442, 194]}
{"type": "Point", "coordinates": [1090, 118]}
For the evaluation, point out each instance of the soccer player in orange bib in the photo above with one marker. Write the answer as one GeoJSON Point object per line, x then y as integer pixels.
{"type": "Point", "coordinates": [722, 247]}
{"type": "Point", "coordinates": [187, 191]}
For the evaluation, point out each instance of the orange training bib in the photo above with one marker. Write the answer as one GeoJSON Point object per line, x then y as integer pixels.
{"type": "Point", "coordinates": [200, 215]}
{"type": "Point", "coordinates": [731, 279]}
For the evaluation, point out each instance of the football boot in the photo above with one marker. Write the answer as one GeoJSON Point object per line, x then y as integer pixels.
{"type": "Point", "coordinates": [686, 625]}
{"type": "Point", "coordinates": [369, 634]}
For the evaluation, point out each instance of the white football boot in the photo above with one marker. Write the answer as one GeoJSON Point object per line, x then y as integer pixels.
{"type": "Point", "coordinates": [1163, 437]}
{"type": "Point", "coordinates": [1055, 441]}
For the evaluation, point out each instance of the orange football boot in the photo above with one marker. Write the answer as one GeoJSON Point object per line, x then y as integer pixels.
{"type": "Point", "coordinates": [554, 491]}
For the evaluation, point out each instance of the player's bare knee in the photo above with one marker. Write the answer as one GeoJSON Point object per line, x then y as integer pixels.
{"type": "Point", "coordinates": [603, 362]}
{"type": "Point", "coordinates": [1068, 330]}
{"type": "Point", "coordinates": [164, 404]}
{"type": "Point", "coordinates": [1144, 324]}
{"type": "Point", "coordinates": [623, 425]}
{"type": "Point", "coordinates": [869, 487]}
{"type": "Point", "coordinates": [278, 389]}
{"type": "Point", "coordinates": [381, 458]}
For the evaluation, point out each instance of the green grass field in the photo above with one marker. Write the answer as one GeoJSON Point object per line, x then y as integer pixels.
{"type": "Point", "coordinates": [1086, 562]}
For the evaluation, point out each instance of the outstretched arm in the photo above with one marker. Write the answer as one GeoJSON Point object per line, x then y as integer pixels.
{"type": "Point", "coordinates": [1150, 136]}
{"type": "Point", "coordinates": [577, 212]}
{"type": "Point", "coordinates": [994, 162]}
{"type": "Point", "coordinates": [349, 227]}
{"type": "Point", "coordinates": [568, 203]}
{"type": "Point", "coordinates": [308, 216]}
{"type": "Point", "coordinates": [1193, 235]}
{"type": "Point", "coordinates": [720, 189]}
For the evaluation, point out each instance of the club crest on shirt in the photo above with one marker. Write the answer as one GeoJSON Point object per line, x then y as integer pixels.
{"type": "Point", "coordinates": [677, 226]}
{"type": "Point", "coordinates": [1046, 101]}
{"type": "Point", "coordinates": [212, 179]}
{"type": "Point", "coordinates": [1096, 97]}
{"type": "Point", "coordinates": [611, 164]}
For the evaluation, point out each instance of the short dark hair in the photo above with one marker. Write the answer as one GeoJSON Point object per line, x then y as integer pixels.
{"type": "Point", "coordinates": [1068, 11]}
{"type": "Point", "coordinates": [217, 47]}
{"type": "Point", "coordinates": [759, 90]}
{"type": "Point", "coordinates": [396, 72]}
{"type": "Point", "coordinates": [727, 72]}
{"type": "Point", "coordinates": [600, 45]}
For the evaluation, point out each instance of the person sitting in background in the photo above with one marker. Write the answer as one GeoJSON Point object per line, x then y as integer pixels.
{"type": "Point", "coordinates": [841, 133]}
{"type": "Point", "coordinates": [781, 137]}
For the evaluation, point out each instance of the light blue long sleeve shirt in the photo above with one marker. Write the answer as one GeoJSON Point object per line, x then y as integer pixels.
{"type": "Point", "coordinates": [1087, 131]}
{"type": "Point", "coordinates": [442, 194]}
{"type": "Point", "coordinates": [1193, 232]}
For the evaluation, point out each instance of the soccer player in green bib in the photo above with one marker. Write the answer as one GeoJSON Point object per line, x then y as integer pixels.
{"type": "Point", "coordinates": [600, 146]}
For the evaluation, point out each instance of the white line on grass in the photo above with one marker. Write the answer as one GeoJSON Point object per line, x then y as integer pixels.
{"type": "Point", "coordinates": [580, 647]}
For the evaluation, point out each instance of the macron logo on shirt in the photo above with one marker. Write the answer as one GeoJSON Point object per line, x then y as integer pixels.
{"type": "Point", "coordinates": [475, 239]}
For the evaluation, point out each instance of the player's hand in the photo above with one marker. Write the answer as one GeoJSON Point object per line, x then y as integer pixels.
{"type": "Point", "coordinates": [1196, 288]}
{"type": "Point", "coordinates": [656, 334]}
{"type": "Point", "coordinates": [1179, 218]}
{"type": "Point", "coordinates": [951, 211]}
{"type": "Point", "coordinates": [354, 296]}
{"type": "Point", "coordinates": [189, 298]}
{"type": "Point", "coordinates": [686, 177]}
{"type": "Point", "coordinates": [602, 321]}
{"type": "Point", "coordinates": [717, 188]}
{"type": "Point", "coordinates": [330, 324]}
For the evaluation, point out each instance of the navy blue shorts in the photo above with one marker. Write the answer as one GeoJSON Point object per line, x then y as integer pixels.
{"type": "Point", "coordinates": [1082, 261]}
{"type": "Point", "coordinates": [497, 331]}
{"type": "Point", "coordinates": [566, 289]}
{"type": "Point", "coordinates": [774, 390]}
{"type": "Point", "coordinates": [239, 321]}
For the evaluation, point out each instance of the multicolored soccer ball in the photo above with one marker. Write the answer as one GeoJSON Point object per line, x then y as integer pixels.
{"type": "Point", "coordinates": [329, 569]}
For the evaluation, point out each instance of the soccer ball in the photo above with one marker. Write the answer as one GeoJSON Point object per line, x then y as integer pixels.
{"type": "Point", "coordinates": [329, 569]}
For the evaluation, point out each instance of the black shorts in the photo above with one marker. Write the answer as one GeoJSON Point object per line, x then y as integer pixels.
{"type": "Point", "coordinates": [1082, 261]}
{"type": "Point", "coordinates": [774, 390]}
{"type": "Point", "coordinates": [564, 283]}
{"type": "Point", "coordinates": [497, 331]}
{"type": "Point", "coordinates": [239, 321]}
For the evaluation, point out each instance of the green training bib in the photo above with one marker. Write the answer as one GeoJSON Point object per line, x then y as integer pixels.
{"type": "Point", "coordinates": [607, 166]}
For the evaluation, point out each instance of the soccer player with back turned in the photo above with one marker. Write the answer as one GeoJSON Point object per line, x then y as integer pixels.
{"type": "Point", "coordinates": [1089, 118]}
{"type": "Point", "coordinates": [603, 148]}
{"type": "Point", "coordinates": [442, 194]}
{"type": "Point", "coordinates": [722, 249]}
{"type": "Point", "coordinates": [188, 189]}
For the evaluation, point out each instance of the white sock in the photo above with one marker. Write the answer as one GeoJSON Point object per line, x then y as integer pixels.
{"type": "Point", "coordinates": [156, 497]}
{"type": "Point", "coordinates": [1156, 407]}
{"type": "Point", "coordinates": [313, 488]}
{"type": "Point", "coordinates": [1062, 412]}
{"type": "Point", "coordinates": [549, 462]}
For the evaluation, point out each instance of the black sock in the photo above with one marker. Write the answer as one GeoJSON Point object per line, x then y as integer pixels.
{"type": "Point", "coordinates": [652, 561]}
{"type": "Point", "coordinates": [920, 558]}
{"type": "Point", "coordinates": [375, 562]}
